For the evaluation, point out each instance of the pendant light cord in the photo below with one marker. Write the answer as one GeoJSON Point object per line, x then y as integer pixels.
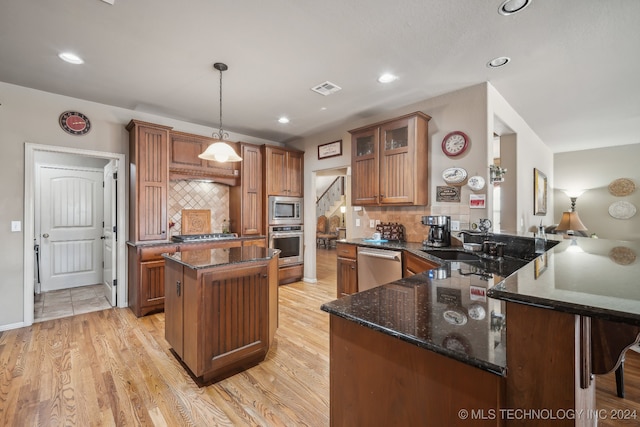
{"type": "Point", "coordinates": [221, 135]}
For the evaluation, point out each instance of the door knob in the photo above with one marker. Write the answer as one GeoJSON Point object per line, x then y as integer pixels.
{"type": "Point", "coordinates": [45, 235]}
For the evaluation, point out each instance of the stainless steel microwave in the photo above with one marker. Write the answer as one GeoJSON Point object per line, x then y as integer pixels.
{"type": "Point", "coordinates": [285, 210]}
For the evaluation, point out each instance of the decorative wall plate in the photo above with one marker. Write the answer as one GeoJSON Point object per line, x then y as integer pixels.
{"type": "Point", "coordinates": [622, 210]}
{"type": "Point", "coordinates": [476, 183]}
{"type": "Point", "coordinates": [622, 187]}
{"type": "Point", "coordinates": [455, 317]}
{"type": "Point", "coordinates": [622, 255]}
{"type": "Point", "coordinates": [454, 175]}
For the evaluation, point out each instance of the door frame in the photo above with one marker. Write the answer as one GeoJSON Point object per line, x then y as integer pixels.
{"type": "Point", "coordinates": [29, 217]}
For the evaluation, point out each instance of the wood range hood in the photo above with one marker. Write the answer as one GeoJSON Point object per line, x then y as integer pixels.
{"type": "Point", "coordinates": [184, 162]}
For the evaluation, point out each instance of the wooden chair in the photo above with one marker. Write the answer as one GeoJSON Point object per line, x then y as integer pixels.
{"type": "Point", "coordinates": [321, 230]}
{"type": "Point", "coordinates": [330, 235]}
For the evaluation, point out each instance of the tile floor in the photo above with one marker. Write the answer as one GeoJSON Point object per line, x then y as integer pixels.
{"type": "Point", "coordinates": [69, 302]}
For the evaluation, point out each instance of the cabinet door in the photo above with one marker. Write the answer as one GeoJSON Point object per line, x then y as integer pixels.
{"type": "Point", "coordinates": [234, 309]}
{"type": "Point", "coordinates": [347, 276]}
{"type": "Point", "coordinates": [396, 163]}
{"type": "Point", "coordinates": [276, 160]}
{"type": "Point", "coordinates": [414, 264]}
{"type": "Point", "coordinates": [153, 176]}
{"type": "Point", "coordinates": [184, 149]}
{"type": "Point", "coordinates": [151, 283]}
{"type": "Point", "coordinates": [173, 308]}
{"type": "Point", "coordinates": [252, 191]}
{"type": "Point", "coordinates": [364, 167]}
{"type": "Point", "coordinates": [295, 162]}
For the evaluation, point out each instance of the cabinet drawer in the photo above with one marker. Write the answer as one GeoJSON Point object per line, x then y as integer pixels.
{"type": "Point", "coordinates": [155, 253]}
{"type": "Point", "coordinates": [346, 250]}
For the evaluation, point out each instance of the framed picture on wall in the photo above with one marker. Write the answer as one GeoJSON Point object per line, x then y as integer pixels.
{"type": "Point", "coordinates": [539, 193]}
{"type": "Point", "coordinates": [330, 149]}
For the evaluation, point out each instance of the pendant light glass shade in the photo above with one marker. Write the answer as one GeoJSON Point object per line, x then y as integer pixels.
{"type": "Point", "coordinates": [220, 151]}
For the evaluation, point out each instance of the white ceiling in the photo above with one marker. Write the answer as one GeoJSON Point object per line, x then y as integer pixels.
{"type": "Point", "coordinates": [573, 75]}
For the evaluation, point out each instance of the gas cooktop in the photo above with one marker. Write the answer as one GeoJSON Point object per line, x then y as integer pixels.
{"type": "Point", "coordinates": [203, 237]}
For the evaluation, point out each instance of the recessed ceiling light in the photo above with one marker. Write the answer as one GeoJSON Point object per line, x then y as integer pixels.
{"type": "Point", "coordinates": [283, 120]}
{"type": "Point", "coordinates": [71, 58]}
{"type": "Point", "coordinates": [498, 62]}
{"type": "Point", "coordinates": [387, 78]}
{"type": "Point", "coordinates": [509, 7]}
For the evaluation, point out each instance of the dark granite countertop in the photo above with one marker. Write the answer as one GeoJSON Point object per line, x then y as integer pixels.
{"type": "Point", "coordinates": [461, 314]}
{"type": "Point", "coordinates": [209, 258]}
{"type": "Point", "coordinates": [196, 242]}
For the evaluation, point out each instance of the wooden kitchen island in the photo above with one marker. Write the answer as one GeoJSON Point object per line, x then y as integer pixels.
{"type": "Point", "coordinates": [469, 348]}
{"type": "Point", "coordinates": [221, 309]}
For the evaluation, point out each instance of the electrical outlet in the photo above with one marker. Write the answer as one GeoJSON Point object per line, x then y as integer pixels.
{"type": "Point", "coordinates": [377, 221]}
{"type": "Point", "coordinates": [357, 222]}
{"type": "Point", "coordinates": [16, 226]}
{"type": "Point", "coordinates": [455, 225]}
{"type": "Point", "coordinates": [372, 223]}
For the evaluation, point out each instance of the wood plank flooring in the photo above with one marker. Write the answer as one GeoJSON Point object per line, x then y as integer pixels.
{"type": "Point", "coordinates": [110, 368]}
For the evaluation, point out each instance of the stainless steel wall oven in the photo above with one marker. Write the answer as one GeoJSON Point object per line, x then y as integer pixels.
{"type": "Point", "coordinates": [290, 240]}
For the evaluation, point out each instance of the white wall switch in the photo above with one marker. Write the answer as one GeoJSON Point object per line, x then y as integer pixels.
{"type": "Point", "coordinates": [357, 222]}
{"type": "Point", "coordinates": [357, 208]}
{"type": "Point", "coordinates": [372, 223]}
{"type": "Point", "coordinates": [16, 226]}
{"type": "Point", "coordinates": [455, 225]}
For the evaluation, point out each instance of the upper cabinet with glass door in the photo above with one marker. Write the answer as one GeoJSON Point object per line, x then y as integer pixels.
{"type": "Point", "coordinates": [389, 162]}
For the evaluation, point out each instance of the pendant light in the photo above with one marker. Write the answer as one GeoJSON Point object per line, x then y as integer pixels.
{"type": "Point", "coordinates": [220, 151]}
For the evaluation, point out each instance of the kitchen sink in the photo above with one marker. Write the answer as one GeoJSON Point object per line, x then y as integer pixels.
{"type": "Point", "coordinates": [451, 255]}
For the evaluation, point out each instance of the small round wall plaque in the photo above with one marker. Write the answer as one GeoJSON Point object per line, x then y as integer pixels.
{"type": "Point", "coordinates": [622, 210]}
{"type": "Point", "coordinates": [622, 255]}
{"type": "Point", "coordinates": [622, 187]}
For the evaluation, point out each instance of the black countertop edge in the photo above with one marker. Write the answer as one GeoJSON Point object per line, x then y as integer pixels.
{"type": "Point", "coordinates": [171, 243]}
{"type": "Point", "coordinates": [562, 306]}
{"type": "Point", "coordinates": [468, 360]}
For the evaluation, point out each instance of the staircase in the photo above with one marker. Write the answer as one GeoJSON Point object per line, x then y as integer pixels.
{"type": "Point", "coordinates": [329, 203]}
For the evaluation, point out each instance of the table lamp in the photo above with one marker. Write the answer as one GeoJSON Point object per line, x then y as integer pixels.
{"type": "Point", "coordinates": [570, 221]}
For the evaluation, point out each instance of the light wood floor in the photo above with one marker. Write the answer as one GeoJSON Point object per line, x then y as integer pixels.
{"type": "Point", "coordinates": [111, 368]}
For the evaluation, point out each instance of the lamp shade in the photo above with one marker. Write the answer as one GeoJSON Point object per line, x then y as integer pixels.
{"type": "Point", "coordinates": [570, 221]}
{"type": "Point", "coordinates": [220, 152]}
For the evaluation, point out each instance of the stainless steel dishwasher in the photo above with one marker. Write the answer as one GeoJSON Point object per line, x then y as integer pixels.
{"type": "Point", "coordinates": [377, 267]}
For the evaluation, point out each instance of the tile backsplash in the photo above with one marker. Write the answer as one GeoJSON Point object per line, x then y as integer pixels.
{"type": "Point", "coordinates": [189, 194]}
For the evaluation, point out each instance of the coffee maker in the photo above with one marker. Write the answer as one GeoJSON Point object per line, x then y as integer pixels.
{"type": "Point", "coordinates": [439, 230]}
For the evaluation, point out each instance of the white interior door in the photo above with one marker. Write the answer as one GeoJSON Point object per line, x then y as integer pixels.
{"type": "Point", "coordinates": [71, 208]}
{"type": "Point", "coordinates": [109, 274]}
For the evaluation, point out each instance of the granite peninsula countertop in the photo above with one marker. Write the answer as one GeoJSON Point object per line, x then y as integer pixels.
{"type": "Point", "coordinates": [460, 313]}
{"type": "Point", "coordinates": [195, 242]}
{"type": "Point", "coordinates": [209, 258]}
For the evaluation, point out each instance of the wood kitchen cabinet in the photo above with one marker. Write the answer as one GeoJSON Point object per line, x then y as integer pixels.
{"type": "Point", "coordinates": [347, 272]}
{"type": "Point", "coordinates": [284, 171]}
{"type": "Point", "coordinates": [184, 162]}
{"type": "Point", "coordinates": [389, 162]}
{"type": "Point", "coordinates": [220, 318]}
{"type": "Point", "coordinates": [148, 180]}
{"type": "Point", "coordinates": [246, 204]}
{"type": "Point", "coordinates": [413, 264]}
{"type": "Point", "coordinates": [147, 270]}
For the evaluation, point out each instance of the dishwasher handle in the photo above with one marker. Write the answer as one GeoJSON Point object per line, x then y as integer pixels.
{"type": "Point", "coordinates": [394, 256]}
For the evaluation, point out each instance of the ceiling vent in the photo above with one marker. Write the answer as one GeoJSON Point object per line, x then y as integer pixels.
{"type": "Point", "coordinates": [326, 88]}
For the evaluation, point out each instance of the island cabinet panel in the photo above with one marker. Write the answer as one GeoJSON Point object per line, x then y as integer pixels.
{"type": "Point", "coordinates": [147, 277]}
{"type": "Point", "coordinates": [389, 162]}
{"type": "Point", "coordinates": [546, 351]}
{"type": "Point", "coordinates": [173, 317]}
{"type": "Point", "coordinates": [149, 178]}
{"type": "Point", "coordinates": [377, 379]}
{"type": "Point", "coordinates": [225, 320]}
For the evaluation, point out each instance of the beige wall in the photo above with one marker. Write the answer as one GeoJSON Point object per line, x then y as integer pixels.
{"type": "Point", "coordinates": [28, 115]}
{"type": "Point", "coordinates": [593, 170]}
{"type": "Point", "coordinates": [471, 110]}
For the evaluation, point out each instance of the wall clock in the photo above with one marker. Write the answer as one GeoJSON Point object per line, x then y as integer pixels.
{"type": "Point", "coordinates": [455, 143]}
{"type": "Point", "coordinates": [74, 123]}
